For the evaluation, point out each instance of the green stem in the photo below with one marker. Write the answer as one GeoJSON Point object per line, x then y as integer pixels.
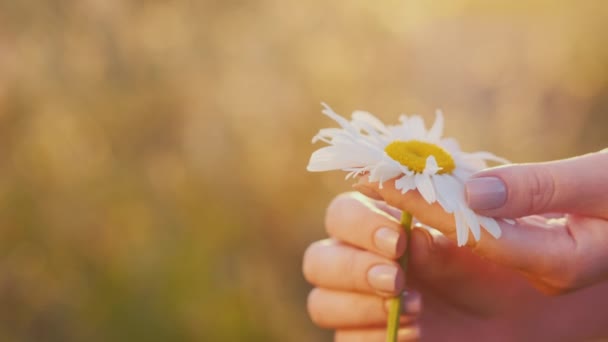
{"type": "Point", "coordinates": [394, 311]}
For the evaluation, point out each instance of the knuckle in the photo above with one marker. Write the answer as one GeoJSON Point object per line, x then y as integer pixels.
{"type": "Point", "coordinates": [452, 235]}
{"type": "Point", "coordinates": [559, 287]}
{"type": "Point", "coordinates": [356, 266]}
{"type": "Point", "coordinates": [571, 279]}
{"type": "Point", "coordinates": [556, 291]}
{"type": "Point", "coordinates": [564, 278]}
{"type": "Point", "coordinates": [561, 269]}
{"type": "Point", "coordinates": [352, 267]}
{"type": "Point", "coordinates": [541, 189]}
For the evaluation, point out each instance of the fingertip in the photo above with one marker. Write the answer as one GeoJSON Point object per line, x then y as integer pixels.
{"type": "Point", "coordinates": [387, 280]}
{"type": "Point", "coordinates": [386, 192]}
{"type": "Point", "coordinates": [367, 191]}
{"type": "Point", "coordinates": [485, 193]}
{"type": "Point", "coordinates": [411, 303]}
{"type": "Point", "coordinates": [432, 214]}
{"type": "Point", "coordinates": [311, 306]}
{"type": "Point", "coordinates": [390, 242]}
{"type": "Point", "coordinates": [311, 257]}
{"type": "Point", "coordinates": [429, 251]}
{"type": "Point", "coordinates": [307, 269]}
{"type": "Point", "coordinates": [401, 245]}
{"type": "Point", "coordinates": [421, 245]}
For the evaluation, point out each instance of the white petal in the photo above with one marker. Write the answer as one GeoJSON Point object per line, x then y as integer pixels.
{"type": "Point", "coordinates": [403, 119]}
{"type": "Point", "coordinates": [451, 145]}
{"type": "Point", "coordinates": [334, 116]}
{"type": "Point", "coordinates": [370, 132]}
{"type": "Point", "coordinates": [443, 193]}
{"type": "Point", "coordinates": [472, 222]}
{"type": "Point", "coordinates": [405, 183]}
{"type": "Point", "coordinates": [490, 225]}
{"type": "Point", "coordinates": [405, 170]}
{"type": "Point", "coordinates": [409, 129]}
{"type": "Point", "coordinates": [509, 221]}
{"type": "Point", "coordinates": [339, 119]}
{"type": "Point", "coordinates": [350, 174]}
{"type": "Point", "coordinates": [333, 136]}
{"type": "Point", "coordinates": [471, 164]}
{"type": "Point", "coordinates": [369, 119]}
{"type": "Point", "coordinates": [355, 171]}
{"type": "Point", "coordinates": [462, 231]}
{"type": "Point", "coordinates": [489, 156]}
{"type": "Point", "coordinates": [399, 132]}
{"type": "Point", "coordinates": [425, 187]}
{"type": "Point", "coordinates": [477, 160]}
{"type": "Point", "coordinates": [340, 157]}
{"type": "Point", "coordinates": [437, 130]}
{"type": "Point", "coordinates": [431, 166]}
{"type": "Point", "coordinates": [416, 128]}
{"type": "Point", "coordinates": [450, 190]}
{"type": "Point", "coordinates": [461, 174]}
{"type": "Point", "coordinates": [384, 170]}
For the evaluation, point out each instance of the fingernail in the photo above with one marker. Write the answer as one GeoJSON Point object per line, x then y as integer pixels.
{"type": "Point", "coordinates": [485, 193]}
{"type": "Point", "coordinates": [371, 193]}
{"type": "Point", "coordinates": [389, 241]}
{"type": "Point", "coordinates": [385, 278]}
{"type": "Point", "coordinates": [411, 302]}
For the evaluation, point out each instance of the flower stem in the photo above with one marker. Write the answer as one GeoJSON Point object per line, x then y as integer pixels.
{"type": "Point", "coordinates": [394, 311]}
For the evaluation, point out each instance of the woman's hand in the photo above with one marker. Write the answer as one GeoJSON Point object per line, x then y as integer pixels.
{"type": "Point", "coordinates": [483, 291]}
{"type": "Point", "coordinates": [560, 238]}
{"type": "Point", "coordinates": [465, 297]}
{"type": "Point", "coordinates": [356, 272]}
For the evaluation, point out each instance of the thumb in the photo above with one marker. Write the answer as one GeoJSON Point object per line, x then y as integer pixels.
{"type": "Point", "coordinates": [577, 185]}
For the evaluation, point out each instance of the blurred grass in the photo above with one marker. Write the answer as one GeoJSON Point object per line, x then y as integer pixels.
{"type": "Point", "coordinates": [152, 153]}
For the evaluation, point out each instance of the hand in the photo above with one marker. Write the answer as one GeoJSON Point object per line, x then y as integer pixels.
{"type": "Point", "coordinates": [465, 297]}
{"type": "Point", "coordinates": [556, 255]}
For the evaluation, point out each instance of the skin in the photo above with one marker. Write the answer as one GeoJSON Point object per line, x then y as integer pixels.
{"type": "Point", "coordinates": [539, 280]}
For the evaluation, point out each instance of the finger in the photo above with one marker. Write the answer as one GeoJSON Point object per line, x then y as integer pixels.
{"type": "Point", "coordinates": [333, 265]}
{"type": "Point", "coordinates": [349, 310]}
{"type": "Point", "coordinates": [409, 333]}
{"type": "Point", "coordinates": [585, 263]}
{"type": "Point", "coordinates": [577, 185]}
{"type": "Point", "coordinates": [461, 278]}
{"type": "Point", "coordinates": [354, 219]}
{"type": "Point", "coordinates": [412, 202]}
{"type": "Point", "coordinates": [558, 254]}
{"type": "Point", "coordinates": [524, 246]}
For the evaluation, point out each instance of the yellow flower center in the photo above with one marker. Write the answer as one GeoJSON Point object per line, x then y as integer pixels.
{"type": "Point", "coordinates": [413, 154]}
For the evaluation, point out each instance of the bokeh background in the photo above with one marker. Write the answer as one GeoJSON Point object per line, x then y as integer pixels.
{"type": "Point", "coordinates": [153, 153]}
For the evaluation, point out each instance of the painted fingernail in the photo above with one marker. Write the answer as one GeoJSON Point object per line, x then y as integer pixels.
{"type": "Point", "coordinates": [389, 241]}
{"type": "Point", "coordinates": [485, 193]}
{"type": "Point", "coordinates": [385, 278]}
{"type": "Point", "coordinates": [411, 302]}
{"type": "Point", "coordinates": [367, 191]}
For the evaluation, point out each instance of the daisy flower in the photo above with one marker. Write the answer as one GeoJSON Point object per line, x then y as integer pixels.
{"type": "Point", "coordinates": [418, 158]}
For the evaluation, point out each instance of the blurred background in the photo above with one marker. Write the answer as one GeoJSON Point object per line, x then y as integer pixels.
{"type": "Point", "coordinates": [153, 153]}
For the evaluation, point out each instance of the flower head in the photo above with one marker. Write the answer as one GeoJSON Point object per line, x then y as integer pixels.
{"type": "Point", "coordinates": [418, 158]}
